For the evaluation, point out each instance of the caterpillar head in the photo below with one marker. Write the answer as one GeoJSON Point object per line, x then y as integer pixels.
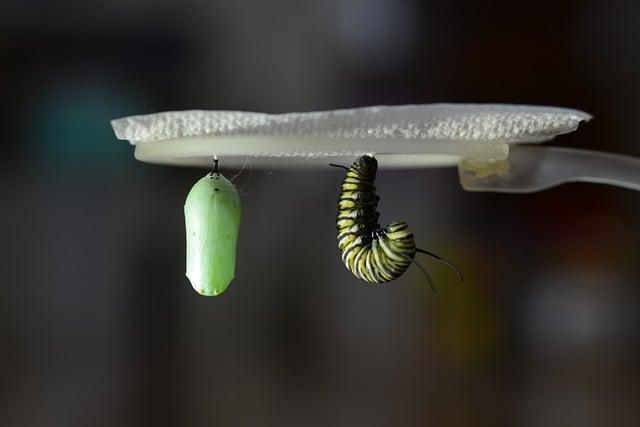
{"type": "Point", "coordinates": [399, 229]}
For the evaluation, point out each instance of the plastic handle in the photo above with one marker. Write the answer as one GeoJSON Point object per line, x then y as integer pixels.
{"type": "Point", "coordinates": [529, 169]}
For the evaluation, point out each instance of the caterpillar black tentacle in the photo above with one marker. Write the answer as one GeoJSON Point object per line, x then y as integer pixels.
{"type": "Point", "coordinates": [439, 258]}
{"type": "Point", "coordinates": [371, 252]}
{"type": "Point", "coordinates": [424, 271]}
{"type": "Point", "coordinates": [339, 166]}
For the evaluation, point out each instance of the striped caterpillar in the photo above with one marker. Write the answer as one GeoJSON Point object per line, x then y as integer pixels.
{"type": "Point", "coordinates": [371, 252]}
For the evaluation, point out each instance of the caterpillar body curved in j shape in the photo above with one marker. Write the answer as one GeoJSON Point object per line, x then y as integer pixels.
{"type": "Point", "coordinates": [371, 252]}
{"type": "Point", "coordinates": [212, 214]}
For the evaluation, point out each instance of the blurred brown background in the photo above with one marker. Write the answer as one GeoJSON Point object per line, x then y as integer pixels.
{"type": "Point", "coordinates": [99, 326]}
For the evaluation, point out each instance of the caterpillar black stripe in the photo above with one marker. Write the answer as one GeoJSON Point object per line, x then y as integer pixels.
{"type": "Point", "coordinates": [371, 252]}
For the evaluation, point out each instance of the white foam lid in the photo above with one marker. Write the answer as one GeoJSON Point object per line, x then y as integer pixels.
{"type": "Point", "coordinates": [400, 136]}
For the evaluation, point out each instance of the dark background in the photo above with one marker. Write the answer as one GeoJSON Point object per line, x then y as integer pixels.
{"type": "Point", "coordinates": [99, 326]}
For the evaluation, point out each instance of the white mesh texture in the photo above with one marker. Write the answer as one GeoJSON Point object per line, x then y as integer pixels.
{"type": "Point", "coordinates": [455, 122]}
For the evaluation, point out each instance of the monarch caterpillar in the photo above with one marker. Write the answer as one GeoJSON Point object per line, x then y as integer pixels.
{"type": "Point", "coordinates": [212, 214]}
{"type": "Point", "coordinates": [371, 252]}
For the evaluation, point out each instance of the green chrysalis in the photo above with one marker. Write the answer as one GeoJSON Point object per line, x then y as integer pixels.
{"type": "Point", "coordinates": [212, 217]}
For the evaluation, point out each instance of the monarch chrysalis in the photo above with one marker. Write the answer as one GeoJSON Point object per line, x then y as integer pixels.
{"type": "Point", "coordinates": [212, 216]}
{"type": "Point", "coordinates": [371, 252]}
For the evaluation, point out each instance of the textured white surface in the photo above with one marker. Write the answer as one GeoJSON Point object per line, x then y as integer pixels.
{"type": "Point", "coordinates": [406, 136]}
{"type": "Point", "coordinates": [459, 122]}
